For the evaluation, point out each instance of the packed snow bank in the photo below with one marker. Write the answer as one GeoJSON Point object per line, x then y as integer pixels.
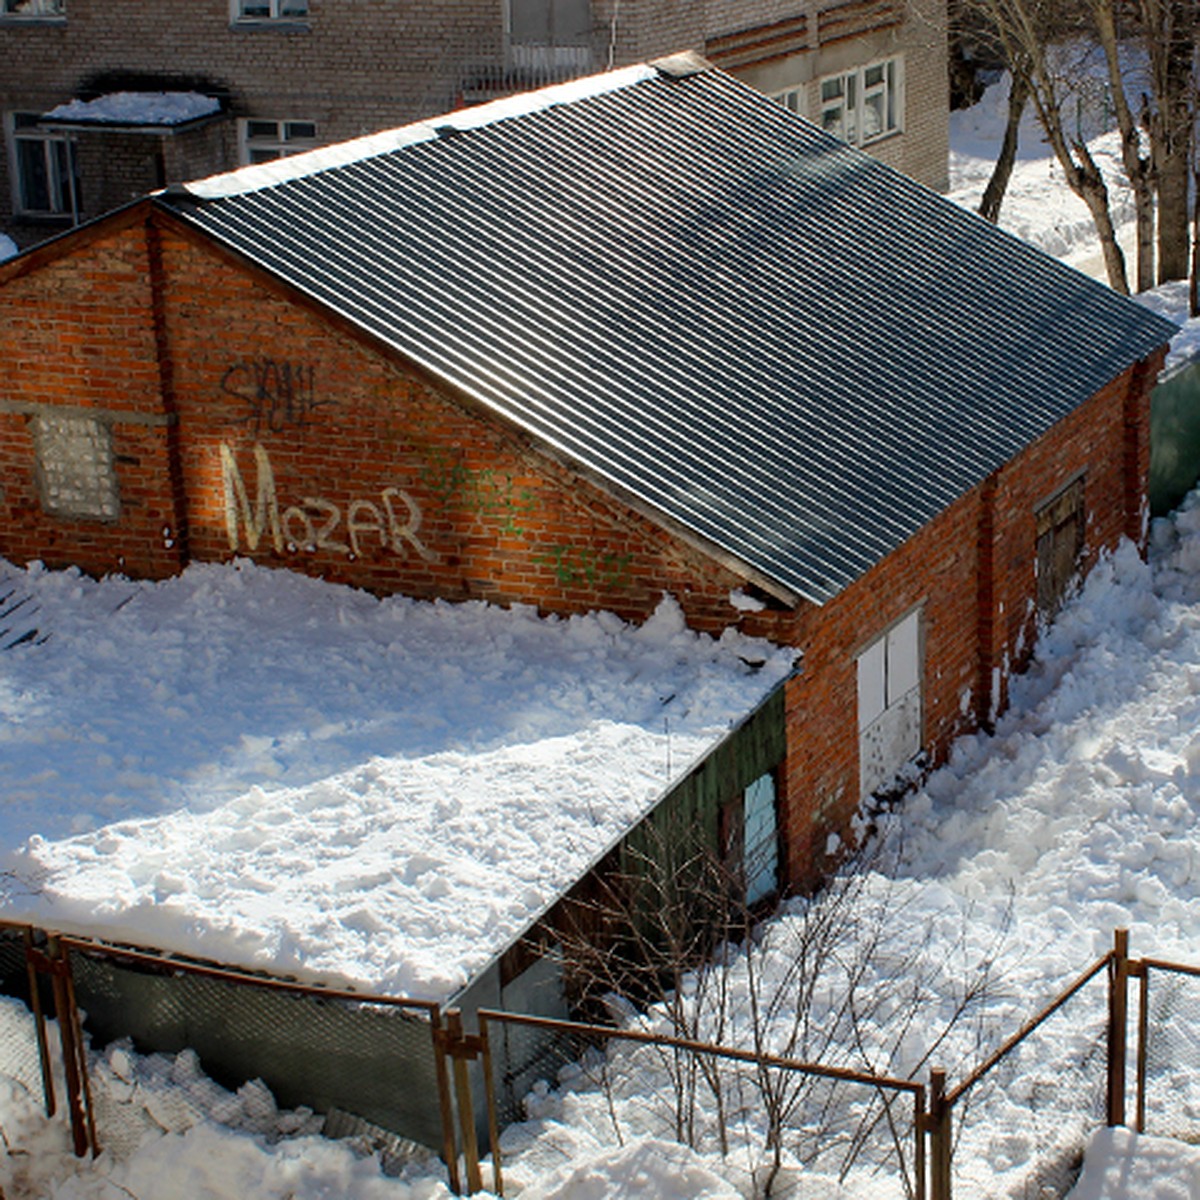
{"type": "Point", "coordinates": [274, 772]}
{"type": "Point", "coordinates": [1120, 1165]}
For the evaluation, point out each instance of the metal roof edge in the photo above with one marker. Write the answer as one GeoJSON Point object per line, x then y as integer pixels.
{"type": "Point", "coordinates": [340, 154]}
{"type": "Point", "coordinates": [63, 243]}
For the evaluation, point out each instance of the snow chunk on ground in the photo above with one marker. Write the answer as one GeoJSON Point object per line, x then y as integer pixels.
{"type": "Point", "coordinates": [1122, 1165]}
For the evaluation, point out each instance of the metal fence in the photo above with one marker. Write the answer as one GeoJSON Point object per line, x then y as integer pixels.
{"type": "Point", "coordinates": [410, 1075]}
{"type": "Point", "coordinates": [768, 1118]}
{"type": "Point", "coordinates": [1016, 1127]}
{"type": "Point", "coordinates": [1168, 1050]}
{"type": "Point", "coordinates": [371, 1064]}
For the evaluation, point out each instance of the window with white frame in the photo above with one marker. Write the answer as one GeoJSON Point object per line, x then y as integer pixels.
{"type": "Point", "coordinates": [270, 10]}
{"type": "Point", "coordinates": [791, 98]}
{"type": "Point", "coordinates": [863, 105]}
{"type": "Point", "coordinates": [33, 8]}
{"type": "Point", "coordinates": [44, 171]}
{"type": "Point", "coordinates": [261, 141]}
{"type": "Point", "coordinates": [889, 703]}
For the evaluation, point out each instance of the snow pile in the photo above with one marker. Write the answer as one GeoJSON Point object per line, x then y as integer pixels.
{"type": "Point", "coordinates": [137, 108]}
{"type": "Point", "coordinates": [1120, 1165]}
{"type": "Point", "coordinates": [8, 248]}
{"type": "Point", "coordinates": [270, 771]}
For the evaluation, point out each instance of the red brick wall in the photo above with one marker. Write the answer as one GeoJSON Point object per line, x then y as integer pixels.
{"type": "Point", "coordinates": [369, 475]}
{"type": "Point", "coordinates": [972, 574]}
{"type": "Point", "coordinates": [78, 337]}
{"type": "Point", "coordinates": [300, 444]}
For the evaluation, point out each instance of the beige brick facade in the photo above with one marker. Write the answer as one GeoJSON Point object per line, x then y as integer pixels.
{"type": "Point", "coordinates": [355, 66]}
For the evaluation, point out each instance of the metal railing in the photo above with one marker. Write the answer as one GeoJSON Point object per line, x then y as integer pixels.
{"type": "Point", "coordinates": [778, 1113]}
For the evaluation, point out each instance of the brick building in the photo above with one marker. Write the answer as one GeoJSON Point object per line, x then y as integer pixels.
{"type": "Point", "coordinates": [640, 333]}
{"type": "Point", "coordinates": [281, 76]}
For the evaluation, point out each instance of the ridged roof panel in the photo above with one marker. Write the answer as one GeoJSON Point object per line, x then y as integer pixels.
{"type": "Point", "coordinates": [769, 338]}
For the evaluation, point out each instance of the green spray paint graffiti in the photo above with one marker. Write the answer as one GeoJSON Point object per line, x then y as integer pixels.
{"type": "Point", "coordinates": [582, 564]}
{"type": "Point", "coordinates": [485, 493]}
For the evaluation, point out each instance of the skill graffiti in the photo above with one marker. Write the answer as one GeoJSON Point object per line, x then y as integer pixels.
{"type": "Point", "coordinates": [276, 395]}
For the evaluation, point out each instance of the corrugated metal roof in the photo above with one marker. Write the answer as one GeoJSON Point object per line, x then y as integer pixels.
{"type": "Point", "coordinates": [768, 337]}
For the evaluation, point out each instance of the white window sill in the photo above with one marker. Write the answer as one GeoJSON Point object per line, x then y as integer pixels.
{"type": "Point", "coordinates": [271, 24]}
{"type": "Point", "coordinates": [13, 20]}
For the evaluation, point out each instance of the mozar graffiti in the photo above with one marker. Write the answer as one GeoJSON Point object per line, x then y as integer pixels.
{"type": "Point", "coordinates": [277, 395]}
{"type": "Point", "coordinates": [315, 523]}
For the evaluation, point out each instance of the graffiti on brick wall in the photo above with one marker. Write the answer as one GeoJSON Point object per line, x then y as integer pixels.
{"type": "Point", "coordinates": [392, 521]}
{"type": "Point", "coordinates": [582, 564]}
{"type": "Point", "coordinates": [276, 394]}
{"type": "Point", "coordinates": [493, 495]}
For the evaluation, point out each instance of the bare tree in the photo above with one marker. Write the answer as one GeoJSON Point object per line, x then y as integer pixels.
{"type": "Point", "coordinates": [1025, 33]}
{"type": "Point", "coordinates": [1156, 127]}
{"type": "Point", "coordinates": [671, 931]}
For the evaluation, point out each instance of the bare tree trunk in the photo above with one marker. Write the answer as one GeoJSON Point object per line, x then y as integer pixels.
{"type": "Point", "coordinates": [1171, 47]}
{"type": "Point", "coordinates": [1137, 166]}
{"type": "Point", "coordinates": [993, 194]}
{"type": "Point", "coordinates": [1194, 278]}
{"type": "Point", "coordinates": [1023, 29]}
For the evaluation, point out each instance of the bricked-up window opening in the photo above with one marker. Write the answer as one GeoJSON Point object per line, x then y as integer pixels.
{"type": "Point", "coordinates": [270, 10]}
{"type": "Point", "coordinates": [261, 141]}
{"type": "Point", "coordinates": [550, 34]}
{"type": "Point", "coordinates": [889, 704]}
{"type": "Point", "coordinates": [1061, 523]}
{"type": "Point", "coordinates": [44, 170]}
{"type": "Point", "coordinates": [75, 473]}
{"type": "Point", "coordinates": [33, 8]}
{"type": "Point", "coordinates": [750, 839]}
{"type": "Point", "coordinates": [863, 105]}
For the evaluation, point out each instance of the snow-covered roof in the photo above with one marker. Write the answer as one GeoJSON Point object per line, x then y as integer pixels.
{"type": "Point", "coordinates": [255, 767]}
{"type": "Point", "coordinates": [135, 109]}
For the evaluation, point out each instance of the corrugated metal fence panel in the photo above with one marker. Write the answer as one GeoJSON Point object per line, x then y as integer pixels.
{"type": "Point", "coordinates": [1174, 439]}
{"type": "Point", "coordinates": [769, 337]}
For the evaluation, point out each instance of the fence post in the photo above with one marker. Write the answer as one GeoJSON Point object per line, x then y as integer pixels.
{"type": "Point", "coordinates": [445, 1100]}
{"type": "Point", "coordinates": [939, 1136]}
{"type": "Point", "coordinates": [461, 1049]}
{"type": "Point", "coordinates": [489, 1085]}
{"type": "Point", "coordinates": [1118, 1016]}
{"type": "Point", "coordinates": [32, 961]}
{"type": "Point", "coordinates": [73, 1056]}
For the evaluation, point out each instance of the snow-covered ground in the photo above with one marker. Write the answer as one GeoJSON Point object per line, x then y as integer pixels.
{"type": "Point", "coordinates": [203, 717]}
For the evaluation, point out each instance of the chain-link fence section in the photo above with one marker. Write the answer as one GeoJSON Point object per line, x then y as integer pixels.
{"type": "Point", "coordinates": [371, 1065]}
{"type": "Point", "coordinates": [404, 1077]}
{"type": "Point", "coordinates": [1020, 1123]}
{"type": "Point", "coordinates": [1168, 1062]}
{"type": "Point", "coordinates": [771, 1122]}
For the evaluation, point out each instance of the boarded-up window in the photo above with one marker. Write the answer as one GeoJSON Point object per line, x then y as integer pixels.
{"type": "Point", "coordinates": [75, 473]}
{"type": "Point", "coordinates": [889, 703]}
{"type": "Point", "coordinates": [1060, 535]}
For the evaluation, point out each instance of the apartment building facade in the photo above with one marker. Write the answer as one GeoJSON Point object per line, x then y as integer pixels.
{"type": "Point", "coordinates": [101, 103]}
